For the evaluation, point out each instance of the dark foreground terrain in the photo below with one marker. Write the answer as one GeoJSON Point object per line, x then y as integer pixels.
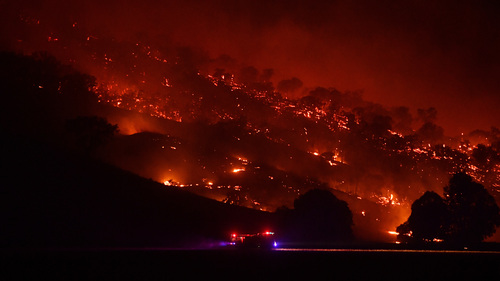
{"type": "Point", "coordinates": [158, 264]}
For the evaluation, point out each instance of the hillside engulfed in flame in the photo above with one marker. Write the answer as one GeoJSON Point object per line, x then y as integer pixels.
{"type": "Point", "coordinates": [225, 131]}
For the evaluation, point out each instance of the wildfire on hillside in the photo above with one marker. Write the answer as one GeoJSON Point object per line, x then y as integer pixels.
{"type": "Point", "coordinates": [210, 116]}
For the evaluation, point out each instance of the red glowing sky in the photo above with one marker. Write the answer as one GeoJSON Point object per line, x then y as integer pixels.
{"type": "Point", "coordinates": [412, 53]}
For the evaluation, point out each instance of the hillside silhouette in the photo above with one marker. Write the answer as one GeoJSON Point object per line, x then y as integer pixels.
{"type": "Point", "coordinates": [56, 198]}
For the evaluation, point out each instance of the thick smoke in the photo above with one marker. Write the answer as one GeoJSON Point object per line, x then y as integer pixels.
{"type": "Point", "coordinates": [442, 55]}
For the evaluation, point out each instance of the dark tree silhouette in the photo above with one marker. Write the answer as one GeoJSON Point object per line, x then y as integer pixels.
{"type": "Point", "coordinates": [39, 94]}
{"type": "Point", "coordinates": [289, 85]}
{"type": "Point", "coordinates": [474, 212]}
{"type": "Point", "coordinates": [428, 217]}
{"type": "Point", "coordinates": [467, 215]}
{"type": "Point", "coordinates": [379, 126]}
{"type": "Point", "coordinates": [430, 132]}
{"type": "Point", "coordinates": [484, 154]}
{"type": "Point", "coordinates": [87, 133]}
{"type": "Point", "coordinates": [320, 217]}
{"type": "Point", "coordinates": [248, 75]}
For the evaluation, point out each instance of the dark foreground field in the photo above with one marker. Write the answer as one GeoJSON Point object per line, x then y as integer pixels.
{"type": "Point", "coordinates": [248, 265]}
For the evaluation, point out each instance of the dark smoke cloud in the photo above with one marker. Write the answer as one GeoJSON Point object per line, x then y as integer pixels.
{"type": "Point", "coordinates": [414, 53]}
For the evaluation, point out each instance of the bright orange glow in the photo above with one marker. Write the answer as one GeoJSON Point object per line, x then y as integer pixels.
{"type": "Point", "coordinates": [237, 170]}
{"type": "Point", "coordinates": [243, 159]}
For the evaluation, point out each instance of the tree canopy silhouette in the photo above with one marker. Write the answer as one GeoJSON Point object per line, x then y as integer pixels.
{"type": "Point", "coordinates": [318, 216]}
{"type": "Point", "coordinates": [87, 133]}
{"type": "Point", "coordinates": [474, 214]}
{"type": "Point", "coordinates": [428, 217]}
{"type": "Point", "coordinates": [289, 85]}
{"type": "Point", "coordinates": [468, 214]}
{"type": "Point", "coordinates": [39, 93]}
